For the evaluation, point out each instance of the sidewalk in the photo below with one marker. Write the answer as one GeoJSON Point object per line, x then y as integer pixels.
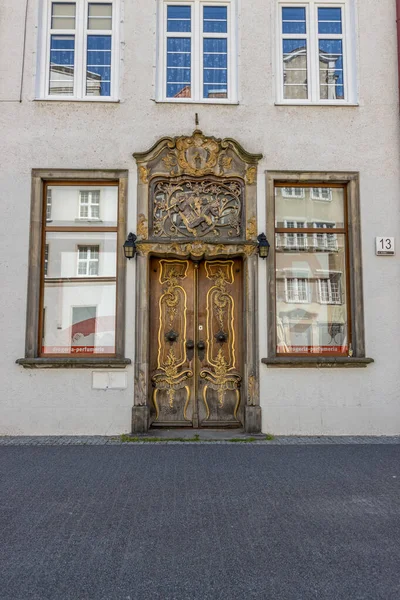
{"type": "Point", "coordinates": [193, 436]}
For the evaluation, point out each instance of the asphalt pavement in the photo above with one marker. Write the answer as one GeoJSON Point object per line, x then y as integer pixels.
{"type": "Point", "coordinates": [200, 522]}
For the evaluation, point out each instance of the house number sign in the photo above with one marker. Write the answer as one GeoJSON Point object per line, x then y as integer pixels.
{"type": "Point", "coordinates": [384, 246]}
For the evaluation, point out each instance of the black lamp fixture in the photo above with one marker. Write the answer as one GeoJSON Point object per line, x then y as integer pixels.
{"type": "Point", "coordinates": [130, 246]}
{"type": "Point", "coordinates": [263, 245]}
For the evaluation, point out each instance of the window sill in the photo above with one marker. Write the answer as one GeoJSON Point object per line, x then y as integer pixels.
{"type": "Point", "coordinates": [73, 363]}
{"type": "Point", "coordinates": [300, 103]}
{"type": "Point", "coordinates": [317, 362]}
{"type": "Point", "coordinates": [202, 102]}
{"type": "Point", "coordinates": [84, 100]}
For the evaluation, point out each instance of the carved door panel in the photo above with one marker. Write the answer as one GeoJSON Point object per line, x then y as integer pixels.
{"type": "Point", "coordinates": [220, 316]}
{"type": "Point", "coordinates": [172, 342]}
{"type": "Point", "coordinates": [195, 342]}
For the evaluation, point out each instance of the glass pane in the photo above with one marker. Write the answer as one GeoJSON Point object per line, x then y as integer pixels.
{"type": "Point", "coordinates": [294, 20]}
{"type": "Point", "coordinates": [305, 209]}
{"type": "Point", "coordinates": [330, 20]}
{"type": "Point", "coordinates": [100, 16]}
{"type": "Point", "coordinates": [178, 68]}
{"type": "Point", "coordinates": [178, 18]}
{"type": "Point", "coordinates": [62, 16]}
{"type": "Point", "coordinates": [331, 69]}
{"type": "Point", "coordinates": [74, 206]}
{"type": "Point", "coordinates": [62, 60]}
{"type": "Point", "coordinates": [98, 68]}
{"type": "Point", "coordinates": [80, 293]}
{"type": "Point", "coordinates": [215, 19]}
{"type": "Point", "coordinates": [215, 71]}
{"type": "Point", "coordinates": [295, 69]}
{"type": "Point", "coordinates": [311, 301]}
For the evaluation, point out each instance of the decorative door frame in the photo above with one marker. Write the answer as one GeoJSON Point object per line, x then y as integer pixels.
{"type": "Point", "coordinates": [189, 160]}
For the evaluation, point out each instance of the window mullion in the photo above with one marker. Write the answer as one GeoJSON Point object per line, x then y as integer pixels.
{"type": "Point", "coordinates": [313, 53]}
{"type": "Point", "coordinates": [197, 51]}
{"type": "Point", "coordinates": [46, 77]}
{"type": "Point", "coordinates": [80, 44]}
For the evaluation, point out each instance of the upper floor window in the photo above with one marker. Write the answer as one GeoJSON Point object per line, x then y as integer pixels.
{"type": "Point", "coordinates": [79, 50]}
{"type": "Point", "coordinates": [315, 52]}
{"type": "Point", "coordinates": [321, 193]}
{"type": "Point", "coordinates": [197, 58]}
{"type": "Point", "coordinates": [88, 261]}
{"type": "Point", "coordinates": [89, 204]}
{"type": "Point", "coordinates": [293, 192]}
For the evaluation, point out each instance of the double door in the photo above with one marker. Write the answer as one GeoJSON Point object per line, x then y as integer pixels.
{"type": "Point", "coordinates": [196, 341]}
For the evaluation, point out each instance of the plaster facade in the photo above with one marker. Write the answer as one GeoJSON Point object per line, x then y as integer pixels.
{"type": "Point", "coordinates": [363, 138]}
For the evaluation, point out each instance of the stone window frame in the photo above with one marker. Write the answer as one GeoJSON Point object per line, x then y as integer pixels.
{"type": "Point", "coordinates": [32, 357]}
{"type": "Point", "coordinates": [351, 181]}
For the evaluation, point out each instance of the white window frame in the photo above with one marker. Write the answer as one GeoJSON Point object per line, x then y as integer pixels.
{"type": "Point", "coordinates": [49, 205]}
{"type": "Point", "coordinates": [295, 299]}
{"type": "Point", "coordinates": [81, 33]}
{"type": "Point", "coordinates": [296, 236]}
{"type": "Point", "coordinates": [348, 36]}
{"type": "Point", "coordinates": [328, 279]}
{"type": "Point", "coordinates": [318, 195]}
{"type": "Point", "coordinates": [325, 239]}
{"type": "Point", "coordinates": [292, 193]}
{"type": "Point", "coordinates": [197, 36]}
{"type": "Point", "coordinates": [46, 260]}
{"type": "Point", "coordinates": [88, 260]}
{"type": "Point", "coordinates": [89, 205]}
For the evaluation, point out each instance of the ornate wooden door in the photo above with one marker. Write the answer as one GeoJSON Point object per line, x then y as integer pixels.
{"type": "Point", "coordinates": [196, 342]}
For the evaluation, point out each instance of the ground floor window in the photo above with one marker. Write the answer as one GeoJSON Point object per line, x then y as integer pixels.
{"type": "Point", "coordinates": [76, 285]}
{"type": "Point", "coordinates": [316, 289]}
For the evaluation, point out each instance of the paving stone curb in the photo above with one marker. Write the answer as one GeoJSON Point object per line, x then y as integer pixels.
{"type": "Point", "coordinates": [114, 441]}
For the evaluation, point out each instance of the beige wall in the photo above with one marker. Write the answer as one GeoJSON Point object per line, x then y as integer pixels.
{"type": "Point", "coordinates": [365, 138]}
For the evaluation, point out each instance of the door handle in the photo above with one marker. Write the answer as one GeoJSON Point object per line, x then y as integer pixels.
{"type": "Point", "coordinates": [171, 336]}
{"type": "Point", "coordinates": [221, 337]}
{"type": "Point", "coordinates": [190, 349]}
{"type": "Point", "coordinates": [201, 346]}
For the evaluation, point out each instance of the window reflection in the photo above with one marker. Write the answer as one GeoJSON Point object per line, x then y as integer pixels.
{"type": "Point", "coordinates": [311, 303]}
{"type": "Point", "coordinates": [79, 293]}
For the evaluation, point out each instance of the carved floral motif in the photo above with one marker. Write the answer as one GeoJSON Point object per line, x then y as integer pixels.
{"type": "Point", "coordinates": [251, 175]}
{"type": "Point", "coordinates": [144, 174]}
{"type": "Point", "coordinates": [142, 227]}
{"type": "Point", "coordinates": [251, 228]}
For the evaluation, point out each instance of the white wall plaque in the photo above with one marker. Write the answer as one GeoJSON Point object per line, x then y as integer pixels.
{"type": "Point", "coordinates": [109, 380]}
{"type": "Point", "coordinates": [384, 246]}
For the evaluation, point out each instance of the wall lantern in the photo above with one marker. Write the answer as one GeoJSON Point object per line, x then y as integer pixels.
{"type": "Point", "coordinates": [130, 246]}
{"type": "Point", "coordinates": [263, 245]}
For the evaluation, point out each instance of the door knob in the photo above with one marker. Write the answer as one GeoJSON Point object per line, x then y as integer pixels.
{"type": "Point", "coordinates": [201, 345]}
{"type": "Point", "coordinates": [221, 337]}
{"type": "Point", "coordinates": [171, 336]}
{"type": "Point", "coordinates": [190, 344]}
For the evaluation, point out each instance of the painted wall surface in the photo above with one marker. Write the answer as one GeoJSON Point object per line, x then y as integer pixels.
{"type": "Point", "coordinates": [93, 135]}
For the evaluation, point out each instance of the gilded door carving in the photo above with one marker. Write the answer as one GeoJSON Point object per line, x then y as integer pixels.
{"type": "Point", "coordinates": [196, 342]}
